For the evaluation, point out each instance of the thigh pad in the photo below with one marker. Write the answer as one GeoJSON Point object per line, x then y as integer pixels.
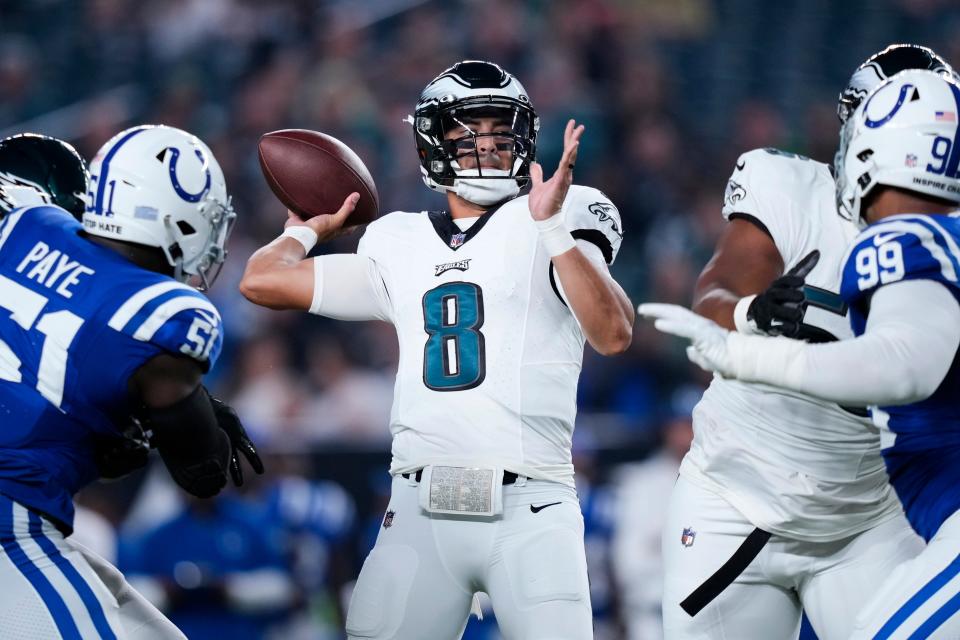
{"type": "Point", "coordinates": [380, 598]}
{"type": "Point", "coordinates": [548, 566]}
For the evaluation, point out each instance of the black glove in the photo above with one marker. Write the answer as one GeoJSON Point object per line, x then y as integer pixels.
{"type": "Point", "coordinates": [779, 310]}
{"type": "Point", "coordinates": [117, 456]}
{"type": "Point", "coordinates": [239, 440]}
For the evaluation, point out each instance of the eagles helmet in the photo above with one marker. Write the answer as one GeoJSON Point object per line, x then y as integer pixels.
{"type": "Point", "coordinates": [36, 169]}
{"type": "Point", "coordinates": [883, 65]}
{"type": "Point", "coordinates": [472, 89]}
{"type": "Point", "coordinates": [905, 135]}
{"type": "Point", "coordinates": [161, 187]}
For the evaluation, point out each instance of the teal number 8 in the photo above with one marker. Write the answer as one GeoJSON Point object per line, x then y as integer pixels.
{"type": "Point", "coordinates": [453, 358]}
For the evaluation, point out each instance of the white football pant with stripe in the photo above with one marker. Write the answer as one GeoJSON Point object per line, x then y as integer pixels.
{"type": "Point", "coordinates": [51, 588]}
{"type": "Point", "coordinates": [920, 598]}
{"type": "Point", "coordinates": [831, 580]}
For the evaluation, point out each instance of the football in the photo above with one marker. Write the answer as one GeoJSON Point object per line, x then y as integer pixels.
{"type": "Point", "coordinates": [312, 173]}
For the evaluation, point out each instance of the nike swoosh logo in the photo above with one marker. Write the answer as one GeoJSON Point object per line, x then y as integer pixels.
{"type": "Point", "coordinates": [542, 507]}
{"type": "Point", "coordinates": [741, 165]}
{"type": "Point", "coordinates": [883, 238]}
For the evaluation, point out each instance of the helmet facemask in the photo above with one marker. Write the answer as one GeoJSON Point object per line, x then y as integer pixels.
{"type": "Point", "coordinates": [458, 152]}
{"type": "Point", "coordinates": [202, 271]}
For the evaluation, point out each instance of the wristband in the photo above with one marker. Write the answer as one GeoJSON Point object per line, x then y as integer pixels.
{"type": "Point", "coordinates": [740, 319]}
{"type": "Point", "coordinates": [554, 236]}
{"type": "Point", "coordinates": [306, 236]}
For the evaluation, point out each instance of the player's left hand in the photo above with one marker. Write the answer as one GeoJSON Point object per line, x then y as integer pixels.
{"type": "Point", "coordinates": [546, 198]}
{"type": "Point", "coordinates": [121, 455]}
{"type": "Point", "coordinates": [229, 421]}
{"type": "Point", "coordinates": [709, 347]}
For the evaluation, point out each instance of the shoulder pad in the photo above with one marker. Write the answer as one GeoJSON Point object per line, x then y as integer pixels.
{"type": "Point", "coordinates": [173, 317]}
{"type": "Point", "coordinates": [591, 216]}
{"type": "Point", "coordinates": [388, 225]}
{"type": "Point", "coordinates": [903, 247]}
{"type": "Point", "coordinates": [43, 215]}
{"type": "Point", "coordinates": [764, 177]}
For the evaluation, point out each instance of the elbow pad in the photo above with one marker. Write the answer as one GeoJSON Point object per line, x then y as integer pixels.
{"type": "Point", "coordinates": [194, 448]}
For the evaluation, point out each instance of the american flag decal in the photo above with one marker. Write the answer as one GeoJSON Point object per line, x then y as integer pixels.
{"type": "Point", "coordinates": [945, 116]}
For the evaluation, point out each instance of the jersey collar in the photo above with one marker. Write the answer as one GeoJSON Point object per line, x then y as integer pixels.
{"type": "Point", "coordinates": [450, 233]}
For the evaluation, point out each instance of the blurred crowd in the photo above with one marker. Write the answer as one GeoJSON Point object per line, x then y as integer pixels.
{"type": "Point", "coordinates": [671, 91]}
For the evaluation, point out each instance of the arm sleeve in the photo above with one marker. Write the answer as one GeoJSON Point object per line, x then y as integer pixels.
{"type": "Point", "coordinates": [909, 344]}
{"type": "Point", "coordinates": [349, 287]}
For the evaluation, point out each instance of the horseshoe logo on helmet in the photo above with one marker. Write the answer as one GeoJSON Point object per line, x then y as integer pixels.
{"type": "Point", "coordinates": [183, 193]}
{"type": "Point", "coordinates": [873, 124]}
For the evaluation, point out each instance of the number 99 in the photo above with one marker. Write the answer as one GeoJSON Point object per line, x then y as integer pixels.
{"type": "Point", "coordinates": [879, 265]}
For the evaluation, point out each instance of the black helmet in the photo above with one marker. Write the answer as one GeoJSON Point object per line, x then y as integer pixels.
{"type": "Point", "coordinates": [36, 169]}
{"type": "Point", "coordinates": [472, 88]}
{"type": "Point", "coordinates": [884, 64]}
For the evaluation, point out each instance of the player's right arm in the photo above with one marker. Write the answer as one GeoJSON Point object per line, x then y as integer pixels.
{"type": "Point", "coordinates": [743, 287]}
{"type": "Point", "coordinates": [341, 286]}
{"type": "Point", "coordinates": [899, 274]}
{"type": "Point", "coordinates": [277, 276]}
{"type": "Point", "coordinates": [199, 438]}
{"type": "Point", "coordinates": [745, 262]}
{"type": "Point", "coordinates": [178, 410]}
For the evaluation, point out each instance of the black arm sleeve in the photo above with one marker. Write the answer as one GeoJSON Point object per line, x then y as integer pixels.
{"type": "Point", "coordinates": [194, 448]}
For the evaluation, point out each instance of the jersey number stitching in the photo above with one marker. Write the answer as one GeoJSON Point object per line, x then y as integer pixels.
{"type": "Point", "coordinates": [59, 327]}
{"type": "Point", "coordinates": [877, 265]}
{"type": "Point", "coordinates": [454, 358]}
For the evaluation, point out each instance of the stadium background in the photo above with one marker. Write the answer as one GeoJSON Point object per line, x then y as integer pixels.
{"type": "Point", "coordinates": [671, 91]}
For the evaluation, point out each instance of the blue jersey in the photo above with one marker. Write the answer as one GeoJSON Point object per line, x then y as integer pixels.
{"type": "Point", "coordinates": [76, 320]}
{"type": "Point", "coordinates": [224, 538]}
{"type": "Point", "coordinates": [924, 459]}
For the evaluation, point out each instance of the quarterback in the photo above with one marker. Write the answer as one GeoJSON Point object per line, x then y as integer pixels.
{"type": "Point", "coordinates": [897, 173]}
{"type": "Point", "coordinates": [782, 502]}
{"type": "Point", "coordinates": [492, 301]}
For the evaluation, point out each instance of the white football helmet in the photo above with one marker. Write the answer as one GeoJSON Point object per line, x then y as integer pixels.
{"type": "Point", "coordinates": [886, 64]}
{"type": "Point", "coordinates": [161, 187]}
{"type": "Point", "coordinates": [479, 88]}
{"type": "Point", "coordinates": [905, 134]}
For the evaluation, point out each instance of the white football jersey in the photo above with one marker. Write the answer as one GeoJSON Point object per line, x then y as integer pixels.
{"type": "Point", "coordinates": [490, 354]}
{"type": "Point", "coordinates": [791, 464]}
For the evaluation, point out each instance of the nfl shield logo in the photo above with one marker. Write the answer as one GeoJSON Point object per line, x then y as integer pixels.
{"type": "Point", "coordinates": [911, 160]}
{"type": "Point", "coordinates": [388, 519]}
{"type": "Point", "coordinates": [687, 537]}
{"type": "Point", "coordinates": [457, 240]}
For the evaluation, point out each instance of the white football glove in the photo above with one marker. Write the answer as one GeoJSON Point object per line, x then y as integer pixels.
{"type": "Point", "coordinates": [710, 347]}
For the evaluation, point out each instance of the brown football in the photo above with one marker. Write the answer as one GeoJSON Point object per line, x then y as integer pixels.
{"type": "Point", "coordinates": [312, 173]}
